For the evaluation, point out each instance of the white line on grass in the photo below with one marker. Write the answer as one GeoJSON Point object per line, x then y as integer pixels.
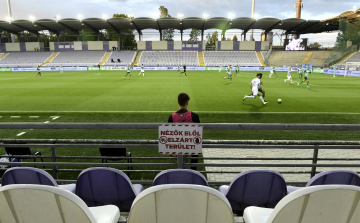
{"type": "Point", "coordinates": [47, 122]}
{"type": "Point", "coordinates": [208, 112]}
{"type": "Point", "coordinates": [33, 116]}
{"type": "Point", "coordinates": [54, 117]}
{"type": "Point", "coordinates": [15, 116]}
{"type": "Point", "coordinates": [21, 133]}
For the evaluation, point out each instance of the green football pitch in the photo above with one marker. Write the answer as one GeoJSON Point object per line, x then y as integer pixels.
{"type": "Point", "coordinates": [103, 96]}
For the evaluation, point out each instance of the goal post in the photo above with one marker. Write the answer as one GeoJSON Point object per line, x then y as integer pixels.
{"type": "Point", "coordinates": [351, 66]}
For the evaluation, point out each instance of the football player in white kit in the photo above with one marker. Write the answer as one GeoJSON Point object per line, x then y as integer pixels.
{"type": "Point", "coordinates": [255, 85]}
{"type": "Point", "coordinates": [271, 71]}
{"type": "Point", "coordinates": [61, 69]}
{"type": "Point", "coordinates": [220, 69]}
{"type": "Point", "coordinates": [289, 78]}
{"type": "Point", "coordinates": [142, 70]}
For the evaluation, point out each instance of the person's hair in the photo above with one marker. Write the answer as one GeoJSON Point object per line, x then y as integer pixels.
{"type": "Point", "coordinates": [183, 98]}
{"type": "Point", "coordinates": [259, 75]}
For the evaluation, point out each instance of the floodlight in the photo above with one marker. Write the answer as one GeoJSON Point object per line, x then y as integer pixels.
{"type": "Point", "coordinates": [231, 15]}
{"type": "Point", "coordinates": [80, 17]}
{"type": "Point", "coordinates": [105, 16]}
{"type": "Point", "coordinates": [256, 16]}
{"type": "Point", "coordinates": [155, 16]}
{"type": "Point", "coordinates": [205, 16]}
{"type": "Point", "coordinates": [180, 15]}
{"type": "Point", "coordinates": [32, 18]}
{"type": "Point", "coordinates": [9, 19]}
{"type": "Point", "coordinates": [130, 16]}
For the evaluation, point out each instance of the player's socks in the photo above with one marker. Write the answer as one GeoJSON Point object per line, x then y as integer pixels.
{"type": "Point", "coordinates": [307, 83]}
{"type": "Point", "coordinates": [250, 96]}
{"type": "Point", "coordinates": [262, 99]}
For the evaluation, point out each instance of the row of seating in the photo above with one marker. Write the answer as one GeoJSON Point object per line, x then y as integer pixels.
{"type": "Point", "coordinates": [169, 58]}
{"type": "Point", "coordinates": [178, 203]}
{"type": "Point", "coordinates": [102, 186]}
{"type": "Point", "coordinates": [243, 58]}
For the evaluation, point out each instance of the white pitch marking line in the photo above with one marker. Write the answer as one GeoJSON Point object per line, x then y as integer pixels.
{"type": "Point", "coordinates": [47, 122]}
{"type": "Point", "coordinates": [54, 117]}
{"type": "Point", "coordinates": [21, 133]}
{"type": "Point", "coordinates": [33, 116]}
{"type": "Point", "coordinates": [15, 116]}
{"type": "Point", "coordinates": [209, 112]}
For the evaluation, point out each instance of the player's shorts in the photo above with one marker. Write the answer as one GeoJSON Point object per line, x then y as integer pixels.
{"type": "Point", "coordinates": [39, 72]}
{"type": "Point", "coordinates": [260, 90]}
{"type": "Point", "coordinates": [230, 74]}
{"type": "Point", "coordinates": [255, 91]}
{"type": "Point", "coordinates": [142, 71]}
{"type": "Point", "coordinates": [306, 78]}
{"type": "Point", "coordinates": [127, 71]}
{"type": "Point", "coordinates": [271, 72]}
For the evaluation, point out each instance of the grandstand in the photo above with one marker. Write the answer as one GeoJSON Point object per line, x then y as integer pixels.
{"type": "Point", "coordinates": [77, 58]}
{"type": "Point", "coordinates": [125, 57]}
{"type": "Point", "coordinates": [243, 58]}
{"type": "Point", "coordinates": [354, 58]}
{"type": "Point", "coordinates": [169, 58]}
{"type": "Point", "coordinates": [24, 59]}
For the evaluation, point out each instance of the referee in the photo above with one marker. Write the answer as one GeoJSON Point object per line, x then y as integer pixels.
{"type": "Point", "coordinates": [184, 70]}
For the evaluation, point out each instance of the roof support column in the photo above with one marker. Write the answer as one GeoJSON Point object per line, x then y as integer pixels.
{"type": "Point", "coordinates": [181, 33]}
{"type": "Point", "coordinates": [223, 34]}
{"type": "Point", "coordinates": [202, 35]}
{"type": "Point", "coordinates": [58, 37]}
{"type": "Point", "coordinates": [38, 37]}
{"type": "Point", "coordinates": [18, 35]}
{"type": "Point", "coordinates": [161, 35]}
{"type": "Point", "coordinates": [98, 37]}
{"type": "Point", "coordinates": [244, 34]}
{"type": "Point", "coordinates": [78, 36]}
{"type": "Point", "coordinates": [119, 41]}
{"type": "Point", "coordinates": [139, 36]}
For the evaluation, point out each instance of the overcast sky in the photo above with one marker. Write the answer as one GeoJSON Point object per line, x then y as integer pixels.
{"type": "Point", "coordinates": [48, 9]}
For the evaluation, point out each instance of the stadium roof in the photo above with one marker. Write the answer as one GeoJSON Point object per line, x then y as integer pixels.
{"type": "Point", "coordinates": [292, 25]}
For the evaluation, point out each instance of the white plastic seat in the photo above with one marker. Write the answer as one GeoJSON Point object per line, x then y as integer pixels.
{"type": "Point", "coordinates": [316, 204]}
{"type": "Point", "coordinates": [43, 204]}
{"type": "Point", "coordinates": [180, 203]}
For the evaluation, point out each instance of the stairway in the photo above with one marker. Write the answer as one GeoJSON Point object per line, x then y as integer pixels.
{"type": "Point", "coordinates": [50, 58]}
{"type": "Point", "coordinates": [201, 58]}
{"type": "Point", "coordinates": [261, 60]}
{"type": "Point", "coordinates": [307, 57]}
{"type": "Point", "coordinates": [138, 56]}
{"type": "Point", "coordinates": [4, 55]}
{"type": "Point", "coordinates": [105, 58]}
{"type": "Point", "coordinates": [346, 58]}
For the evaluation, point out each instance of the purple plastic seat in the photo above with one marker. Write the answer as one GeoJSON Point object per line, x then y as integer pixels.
{"type": "Point", "coordinates": [343, 177]}
{"type": "Point", "coordinates": [261, 188]}
{"type": "Point", "coordinates": [103, 186]}
{"type": "Point", "coordinates": [180, 176]}
{"type": "Point", "coordinates": [30, 175]}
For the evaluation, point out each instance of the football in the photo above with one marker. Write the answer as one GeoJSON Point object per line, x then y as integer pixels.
{"type": "Point", "coordinates": [279, 100]}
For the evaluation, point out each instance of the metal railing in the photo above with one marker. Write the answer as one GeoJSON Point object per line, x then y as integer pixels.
{"type": "Point", "coordinates": [314, 145]}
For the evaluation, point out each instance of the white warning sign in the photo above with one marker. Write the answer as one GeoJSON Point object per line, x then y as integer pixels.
{"type": "Point", "coordinates": [180, 139]}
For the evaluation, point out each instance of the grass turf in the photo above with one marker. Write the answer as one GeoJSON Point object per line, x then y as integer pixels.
{"type": "Point", "coordinates": [103, 96]}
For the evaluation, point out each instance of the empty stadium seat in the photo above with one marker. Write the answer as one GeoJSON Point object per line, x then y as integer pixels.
{"type": "Point", "coordinates": [353, 58]}
{"type": "Point", "coordinates": [77, 58]}
{"type": "Point", "coordinates": [224, 58]}
{"type": "Point", "coordinates": [126, 57]}
{"type": "Point", "coordinates": [30, 175]}
{"type": "Point", "coordinates": [262, 188]}
{"type": "Point", "coordinates": [179, 203]}
{"type": "Point", "coordinates": [169, 58]}
{"type": "Point", "coordinates": [320, 204]}
{"type": "Point", "coordinates": [24, 59]}
{"type": "Point", "coordinates": [344, 177]}
{"type": "Point", "coordinates": [101, 186]}
{"type": "Point", "coordinates": [180, 176]}
{"type": "Point", "coordinates": [44, 204]}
